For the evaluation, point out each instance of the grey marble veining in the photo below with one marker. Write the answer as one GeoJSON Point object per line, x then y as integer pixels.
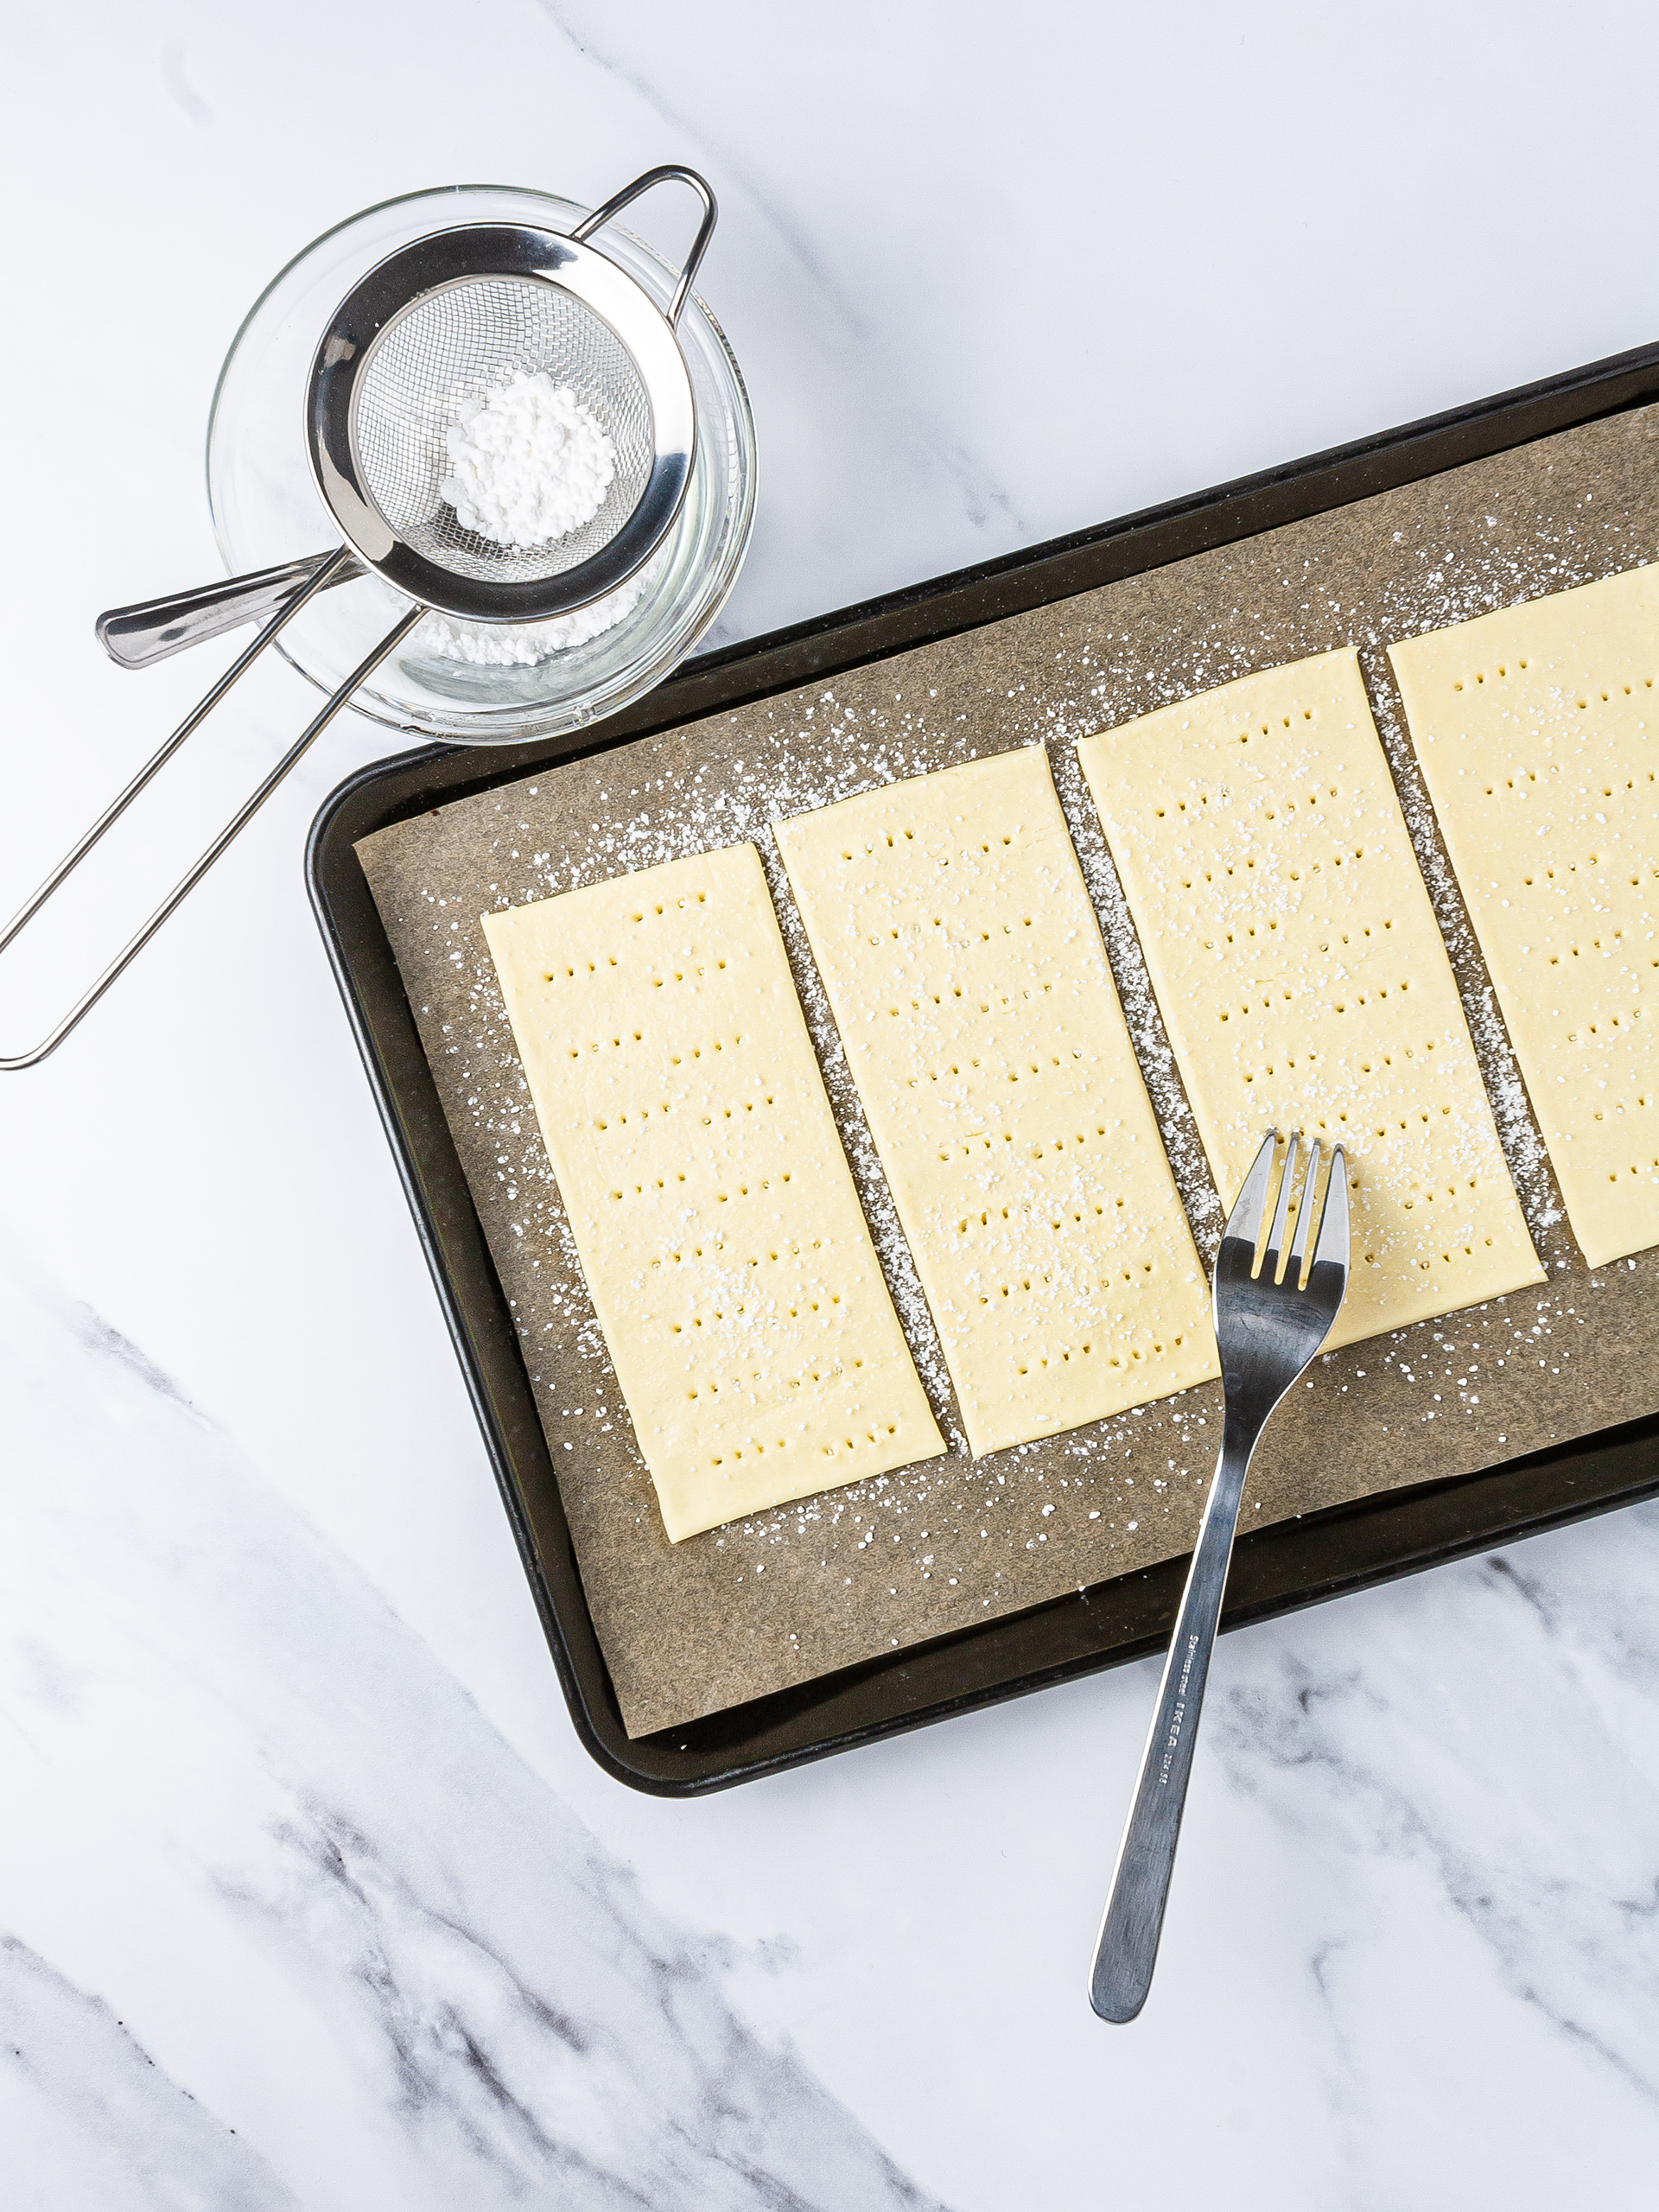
{"type": "Point", "coordinates": [90, 2118]}
{"type": "Point", "coordinates": [316, 1793]}
{"type": "Point", "coordinates": [1394, 1737]}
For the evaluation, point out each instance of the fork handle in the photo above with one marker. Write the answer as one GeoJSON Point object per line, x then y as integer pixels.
{"type": "Point", "coordinates": [1128, 1948]}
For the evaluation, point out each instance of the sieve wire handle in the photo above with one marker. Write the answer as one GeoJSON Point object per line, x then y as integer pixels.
{"type": "Point", "coordinates": [666, 173]}
{"type": "Point", "coordinates": [151, 629]}
{"type": "Point", "coordinates": [233, 828]}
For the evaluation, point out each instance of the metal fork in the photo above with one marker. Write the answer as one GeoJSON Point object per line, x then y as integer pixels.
{"type": "Point", "coordinates": [1267, 1332]}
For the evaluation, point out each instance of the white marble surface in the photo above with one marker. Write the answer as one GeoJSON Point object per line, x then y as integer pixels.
{"type": "Point", "coordinates": [307, 1895]}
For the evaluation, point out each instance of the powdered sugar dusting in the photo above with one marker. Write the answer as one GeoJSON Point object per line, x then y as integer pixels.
{"type": "Point", "coordinates": [933, 1548]}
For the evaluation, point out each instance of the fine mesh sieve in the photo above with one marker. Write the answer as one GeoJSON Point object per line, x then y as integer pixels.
{"type": "Point", "coordinates": [443, 323]}
{"type": "Point", "coordinates": [455, 347]}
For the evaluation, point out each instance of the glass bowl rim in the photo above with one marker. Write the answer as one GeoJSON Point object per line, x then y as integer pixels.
{"type": "Point", "coordinates": [486, 726]}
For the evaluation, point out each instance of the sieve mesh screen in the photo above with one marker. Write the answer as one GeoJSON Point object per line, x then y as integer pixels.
{"type": "Point", "coordinates": [461, 343]}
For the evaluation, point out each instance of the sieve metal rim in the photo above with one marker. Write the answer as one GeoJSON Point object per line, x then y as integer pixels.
{"type": "Point", "coordinates": [436, 263]}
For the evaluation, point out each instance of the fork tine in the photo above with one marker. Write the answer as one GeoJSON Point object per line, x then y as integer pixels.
{"type": "Point", "coordinates": [1250, 1206]}
{"type": "Point", "coordinates": [1300, 1242]}
{"type": "Point", "coordinates": [1334, 1226]}
{"type": "Point", "coordinates": [1276, 1243]}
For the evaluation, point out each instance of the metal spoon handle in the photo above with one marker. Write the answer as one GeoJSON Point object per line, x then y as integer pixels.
{"type": "Point", "coordinates": [135, 635]}
{"type": "Point", "coordinates": [1128, 1948]}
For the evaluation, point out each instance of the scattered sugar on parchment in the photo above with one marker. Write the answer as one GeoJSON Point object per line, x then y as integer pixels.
{"type": "Point", "coordinates": [808, 749]}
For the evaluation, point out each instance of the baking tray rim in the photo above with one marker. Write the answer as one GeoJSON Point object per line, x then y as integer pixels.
{"type": "Point", "coordinates": [1388, 1534]}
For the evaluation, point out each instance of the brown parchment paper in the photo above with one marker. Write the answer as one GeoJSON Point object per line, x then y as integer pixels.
{"type": "Point", "coordinates": [688, 1630]}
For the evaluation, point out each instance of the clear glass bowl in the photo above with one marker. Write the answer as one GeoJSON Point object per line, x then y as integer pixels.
{"type": "Point", "coordinates": [266, 508]}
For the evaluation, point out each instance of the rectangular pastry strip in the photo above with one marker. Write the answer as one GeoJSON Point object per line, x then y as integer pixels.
{"type": "Point", "coordinates": [721, 1235]}
{"type": "Point", "coordinates": [1302, 976]}
{"type": "Point", "coordinates": [950, 924]}
{"type": "Point", "coordinates": [1538, 732]}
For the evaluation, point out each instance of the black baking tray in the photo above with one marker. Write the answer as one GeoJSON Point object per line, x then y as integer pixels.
{"type": "Point", "coordinates": [1274, 1569]}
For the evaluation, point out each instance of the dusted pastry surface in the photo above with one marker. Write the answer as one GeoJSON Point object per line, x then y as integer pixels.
{"type": "Point", "coordinates": [1537, 727]}
{"type": "Point", "coordinates": [766, 1603]}
{"type": "Point", "coordinates": [949, 921]}
{"type": "Point", "coordinates": [721, 1235]}
{"type": "Point", "coordinates": [1302, 977]}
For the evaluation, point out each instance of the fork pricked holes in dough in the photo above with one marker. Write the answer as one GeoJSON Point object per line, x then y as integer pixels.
{"type": "Point", "coordinates": [720, 1232]}
{"type": "Point", "coordinates": [949, 921]}
{"type": "Point", "coordinates": [1537, 729]}
{"type": "Point", "coordinates": [1302, 978]}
